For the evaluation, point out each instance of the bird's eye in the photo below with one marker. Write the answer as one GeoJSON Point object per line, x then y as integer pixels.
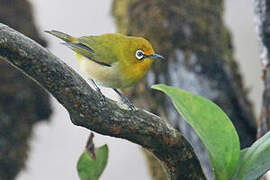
{"type": "Point", "coordinates": [139, 54]}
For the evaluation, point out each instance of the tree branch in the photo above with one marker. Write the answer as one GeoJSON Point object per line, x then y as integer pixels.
{"type": "Point", "coordinates": [86, 109]}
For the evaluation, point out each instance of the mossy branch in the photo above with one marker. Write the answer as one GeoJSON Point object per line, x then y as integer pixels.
{"type": "Point", "coordinates": [86, 109]}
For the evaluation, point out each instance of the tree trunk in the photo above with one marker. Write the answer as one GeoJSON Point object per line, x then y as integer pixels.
{"type": "Point", "coordinates": [22, 102]}
{"type": "Point", "coordinates": [262, 10]}
{"type": "Point", "coordinates": [197, 45]}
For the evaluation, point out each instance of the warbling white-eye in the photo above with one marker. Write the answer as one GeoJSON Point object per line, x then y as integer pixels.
{"type": "Point", "coordinates": [111, 60]}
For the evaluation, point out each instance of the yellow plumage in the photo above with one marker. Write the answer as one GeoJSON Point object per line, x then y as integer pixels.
{"type": "Point", "coordinates": [111, 60]}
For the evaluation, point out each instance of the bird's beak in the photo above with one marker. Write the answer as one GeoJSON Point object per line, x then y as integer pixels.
{"type": "Point", "coordinates": [156, 56]}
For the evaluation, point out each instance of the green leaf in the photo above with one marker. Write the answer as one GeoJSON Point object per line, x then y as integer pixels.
{"type": "Point", "coordinates": [255, 160]}
{"type": "Point", "coordinates": [212, 126]}
{"type": "Point", "coordinates": [89, 168]}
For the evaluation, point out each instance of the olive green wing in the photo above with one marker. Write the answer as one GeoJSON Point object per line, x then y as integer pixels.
{"type": "Point", "coordinates": [94, 48]}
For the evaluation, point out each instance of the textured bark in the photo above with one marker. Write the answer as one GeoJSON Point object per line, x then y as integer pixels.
{"type": "Point", "coordinates": [85, 108]}
{"type": "Point", "coordinates": [192, 36]}
{"type": "Point", "coordinates": [262, 10]}
{"type": "Point", "coordinates": [22, 102]}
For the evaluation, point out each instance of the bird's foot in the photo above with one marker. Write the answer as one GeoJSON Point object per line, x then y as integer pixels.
{"type": "Point", "coordinates": [128, 103]}
{"type": "Point", "coordinates": [125, 100]}
{"type": "Point", "coordinates": [102, 97]}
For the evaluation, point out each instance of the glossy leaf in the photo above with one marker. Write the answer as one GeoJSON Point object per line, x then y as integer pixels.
{"type": "Point", "coordinates": [254, 161]}
{"type": "Point", "coordinates": [90, 168]}
{"type": "Point", "coordinates": [212, 126]}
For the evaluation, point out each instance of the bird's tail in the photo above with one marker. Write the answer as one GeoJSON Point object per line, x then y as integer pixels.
{"type": "Point", "coordinates": [63, 36]}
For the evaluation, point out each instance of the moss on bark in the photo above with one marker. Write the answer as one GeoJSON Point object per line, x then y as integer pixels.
{"type": "Point", "coordinates": [192, 36]}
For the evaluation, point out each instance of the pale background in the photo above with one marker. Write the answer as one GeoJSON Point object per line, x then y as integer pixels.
{"type": "Point", "coordinates": [56, 146]}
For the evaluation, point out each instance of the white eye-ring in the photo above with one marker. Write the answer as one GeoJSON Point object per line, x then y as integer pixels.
{"type": "Point", "coordinates": [139, 54]}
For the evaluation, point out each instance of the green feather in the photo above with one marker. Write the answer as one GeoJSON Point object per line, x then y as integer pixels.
{"type": "Point", "coordinates": [100, 49]}
{"type": "Point", "coordinates": [104, 47]}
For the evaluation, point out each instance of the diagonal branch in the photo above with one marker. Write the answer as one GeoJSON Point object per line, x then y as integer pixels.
{"type": "Point", "coordinates": [86, 109]}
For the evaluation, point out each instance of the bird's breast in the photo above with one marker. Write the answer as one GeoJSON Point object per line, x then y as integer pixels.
{"type": "Point", "coordinates": [114, 76]}
{"type": "Point", "coordinates": [107, 76]}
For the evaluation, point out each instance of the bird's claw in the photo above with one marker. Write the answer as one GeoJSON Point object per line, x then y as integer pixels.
{"type": "Point", "coordinates": [128, 103]}
{"type": "Point", "coordinates": [132, 107]}
{"type": "Point", "coordinates": [102, 97]}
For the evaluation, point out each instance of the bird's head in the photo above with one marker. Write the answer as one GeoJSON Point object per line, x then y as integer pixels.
{"type": "Point", "coordinates": [136, 57]}
{"type": "Point", "coordinates": [140, 50]}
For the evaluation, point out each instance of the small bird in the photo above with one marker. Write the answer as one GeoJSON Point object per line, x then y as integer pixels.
{"type": "Point", "coordinates": [111, 60]}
